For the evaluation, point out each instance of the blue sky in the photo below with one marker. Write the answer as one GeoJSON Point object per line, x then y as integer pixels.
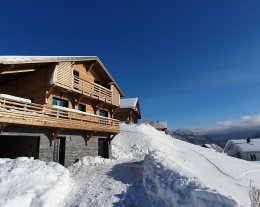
{"type": "Point", "coordinates": [192, 63]}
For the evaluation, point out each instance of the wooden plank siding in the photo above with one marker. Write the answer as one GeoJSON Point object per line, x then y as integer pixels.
{"type": "Point", "coordinates": [84, 84]}
{"type": "Point", "coordinates": [32, 86]}
{"type": "Point", "coordinates": [64, 74]}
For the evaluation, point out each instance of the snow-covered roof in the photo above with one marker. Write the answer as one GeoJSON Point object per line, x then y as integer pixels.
{"type": "Point", "coordinates": [160, 125]}
{"type": "Point", "coordinates": [243, 146]}
{"type": "Point", "coordinates": [128, 103]}
{"type": "Point", "coordinates": [7, 60]}
{"type": "Point", "coordinates": [40, 59]}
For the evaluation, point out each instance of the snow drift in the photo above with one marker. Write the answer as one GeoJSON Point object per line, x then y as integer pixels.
{"type": "Point", "coordinates": [26, 182]}
{"type": "Point", "coordinates": [177, 173]}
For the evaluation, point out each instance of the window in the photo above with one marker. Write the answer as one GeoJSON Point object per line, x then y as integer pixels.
{"type": "Point", "coordinates": [253, 157]}
{"type": "Point", "coordinates": [60, 102]}
{"type": "Point", "coordinates": [103, 113]}
{"type": "Point", "coordinates": [76, 73]}
{"type": "Point", "coordinates": [82, 107]}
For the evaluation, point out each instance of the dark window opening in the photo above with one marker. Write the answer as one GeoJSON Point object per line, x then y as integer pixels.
{"type": "Point", "coordinates": [76, 73]}
{"type": "Point", "coordinates": [76, 80]}
{"type": "Point", "coordinates": [104, 85]}
{"type": "Point", "coordinates": [82, 107]}
{"type": "Point", "coordinates": [253, 157]}
{"type": "Point", "coordinates": [97, 82]}
{"type": "Point", "coordinates": [60, 102]}
{"type": "Point", "coordinates": [103, 113]}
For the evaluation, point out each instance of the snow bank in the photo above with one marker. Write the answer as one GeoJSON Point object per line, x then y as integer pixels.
{"type": "Point", "coordinates": [93, 161]}
{"type": "Point", "coordinates": [168, 185]}
{"type": "Point", "coordinates": [27, 182]}
{"type": "Point", "coordinates": [177, 173]}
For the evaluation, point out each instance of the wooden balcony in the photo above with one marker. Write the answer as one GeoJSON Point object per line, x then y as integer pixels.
{"type": "Point", "coordinates": [93, 89]}
{"type": "Point", "coordinates": [19, 113]}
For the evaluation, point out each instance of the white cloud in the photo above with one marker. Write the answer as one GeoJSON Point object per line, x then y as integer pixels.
{"type": "Point", "coordinates": [243, 122]}
{"type": "Point", "coordinates": [246, 124]}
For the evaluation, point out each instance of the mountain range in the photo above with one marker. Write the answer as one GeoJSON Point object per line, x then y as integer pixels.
{"type": "Point", "coordinates": [217, 136]}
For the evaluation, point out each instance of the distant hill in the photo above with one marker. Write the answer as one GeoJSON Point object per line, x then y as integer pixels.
{"type": "Point", "coordinates": [218, 137]}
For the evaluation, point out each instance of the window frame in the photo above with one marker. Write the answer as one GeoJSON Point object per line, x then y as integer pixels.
{"type": "Point", "coordinates": [104, 110]}
{"type": "Point", "coordinates": [84, 105]}
{"type": "Point", "coordinates": [58, 98]}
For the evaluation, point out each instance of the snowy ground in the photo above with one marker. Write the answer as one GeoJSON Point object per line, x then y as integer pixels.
{"type": "Point", "coordinates": [150, 169]}
{"type": "Point", "coordinates": [101, 182]}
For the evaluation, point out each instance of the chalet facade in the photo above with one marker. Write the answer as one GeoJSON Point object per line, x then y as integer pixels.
{"type": "Point", "coordinates": [129, 111]}
{"type": "Point", "coordinates": [246, 149]}
{"type": "Point", "coordinates": [58, 96]}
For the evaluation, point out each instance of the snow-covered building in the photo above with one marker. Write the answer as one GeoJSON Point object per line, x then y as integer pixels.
{"type": "Point", "coordinates": [246, 149]}
{"type": "Point", "coordinates": [213, 146]}
{"type": "Point", "coordinates": [159, 125]}
{"type": "Point", "coordinates": [129, 111]}
{"type": "Point", "coordinates": [60, 97]}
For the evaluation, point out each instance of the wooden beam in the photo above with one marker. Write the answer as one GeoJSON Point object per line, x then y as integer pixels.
{"type": "Point", "coordinates": [110, 138]}
{"type": "Point", "coordinates": [50, 91]}
{"type": "Point", "coordinates": [6, 68]}
{"type": "Point", "coordinates": [91, 66]}
{"type": "Point", "coordinates": [99, 105]}
{"type": "Point", "coordinates": [2, 128]}
{"type": "Point", "coordinates": [78, 99]}
{"type": "Point", "coordinates": [113, 111]}
{"type": "Point", "coordinates": [87, 137]}
{"type": "Point", "coordinates": [54, 136]}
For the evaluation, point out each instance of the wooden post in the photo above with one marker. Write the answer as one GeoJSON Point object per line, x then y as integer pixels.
{"type": "Point", "coordinates": [54, 136]}
{"type": "Point", "coordinates": [110, 138]}
{"type": "Point", "coordinates": [51, 89]}
{"type": "Point", "coordinates": [91, 66]}
{"type": "Point", "coordinates": [2, 128]}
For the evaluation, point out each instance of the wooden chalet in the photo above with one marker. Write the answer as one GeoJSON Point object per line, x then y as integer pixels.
{"type": "Point", "coordinates": [129, 111]}
{"type": "Point", "coordinates": [58, 96]}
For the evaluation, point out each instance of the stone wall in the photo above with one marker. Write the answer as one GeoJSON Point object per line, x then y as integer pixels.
{"type": "Point", "coordinates": [75, 149]}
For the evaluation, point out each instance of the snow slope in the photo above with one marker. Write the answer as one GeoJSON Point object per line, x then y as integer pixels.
{"type": "Point", "coordinates": [26, 182]}
{"type": "Point", "coordinates": [177, 173]}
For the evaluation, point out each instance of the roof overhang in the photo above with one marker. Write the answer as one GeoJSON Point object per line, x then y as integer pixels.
{"type": "Point", "coordinates": [14, 60]}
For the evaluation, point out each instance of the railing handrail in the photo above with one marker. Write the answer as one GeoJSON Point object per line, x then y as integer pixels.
{"type": "Point", "coordinates": [42, 108]}
{"type": "Point", "coordinates": [60, 108]}
{"type": "Point", "coordinates": [92, 83]}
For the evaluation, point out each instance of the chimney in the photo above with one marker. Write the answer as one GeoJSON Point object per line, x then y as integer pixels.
{"type": "Point", "coordinates": [248, 140]}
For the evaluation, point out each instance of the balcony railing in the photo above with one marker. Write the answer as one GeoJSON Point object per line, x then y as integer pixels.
{"type": "Point", "coordinates": [20, 113]}
{"type": "Point", "coordinates": [92, 89]}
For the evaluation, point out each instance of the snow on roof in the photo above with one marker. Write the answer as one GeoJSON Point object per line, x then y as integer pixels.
{"type": "Point", "coordinates": [242, 145]}
{"type": "Point", "coordinates": [39, 59]}
{"type": "Point", "coordinates": [128, 103]}
{"type": "Point", "coordinates": [159, 125]}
